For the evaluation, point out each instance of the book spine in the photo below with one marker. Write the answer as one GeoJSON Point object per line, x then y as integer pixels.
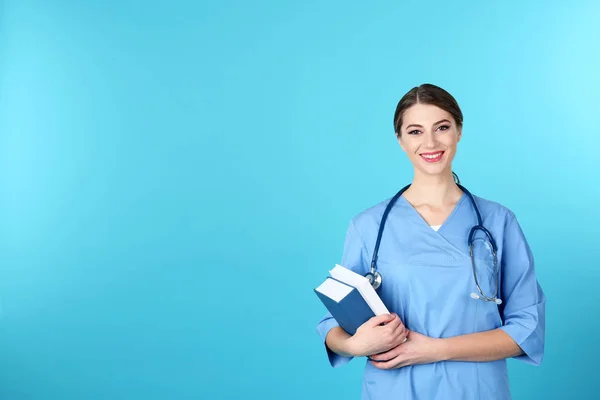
{"type": "Point", "coordinates": [339, 312]}
{"type": "Point", "coordinates": [350, 313]}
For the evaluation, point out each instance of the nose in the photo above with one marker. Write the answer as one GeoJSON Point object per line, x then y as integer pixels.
{"type": "Point", "coordinates": [430, 140]}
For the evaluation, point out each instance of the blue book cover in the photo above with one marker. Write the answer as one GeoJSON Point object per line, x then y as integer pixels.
{"type": "Point", "coordinates": [345, 303]}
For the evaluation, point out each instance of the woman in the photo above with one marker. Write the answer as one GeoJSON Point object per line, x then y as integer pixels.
{"type": "Point", "coordinates": [457, 337]}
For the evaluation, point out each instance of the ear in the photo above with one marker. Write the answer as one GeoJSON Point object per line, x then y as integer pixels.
{"type": "Point", "coordinates": [459, 134]}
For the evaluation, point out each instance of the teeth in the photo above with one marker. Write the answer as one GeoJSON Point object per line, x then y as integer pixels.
{"type": "Point", "coordinates": [436, 155]}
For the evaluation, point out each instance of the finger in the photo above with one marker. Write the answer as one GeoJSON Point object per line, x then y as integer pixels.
{"type": "Point", "coordinates": [388, 355]}
{"type": "Point", "coordinates": [395, 362]}
{"type": "Point", "coordinates": [382, 319]}
{"type": "Point", "coordinates": [401, 332]}
{"type": "Point", "coordinates": [399, 328]}
{"type": "Point", "coordinates": [385, 356]}
{"type": "Point", "coordinates": [402, 337]}
{"type": "Point", "coordinates": [393, 324]}
{"type": "Point", "coordinates": [395, 332]}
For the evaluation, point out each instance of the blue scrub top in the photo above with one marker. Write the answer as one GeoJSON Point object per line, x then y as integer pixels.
{"type": "Point", "coordinates": [427, 281]}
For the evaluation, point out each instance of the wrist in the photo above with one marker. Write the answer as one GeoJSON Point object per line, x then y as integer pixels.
{"type": "Point", "coordinates": [350, 347]}
{"type": "Point", "coordinates": [441, 349]}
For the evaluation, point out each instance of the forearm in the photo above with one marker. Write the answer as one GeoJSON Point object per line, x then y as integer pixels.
{"type": "Point", "coordinates": [337, 341]}
{"type": "Point", "coordinates": [481, 346]}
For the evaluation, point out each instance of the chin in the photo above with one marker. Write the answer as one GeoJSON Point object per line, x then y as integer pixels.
{"type": "Point", "coordinates": [433, 170]}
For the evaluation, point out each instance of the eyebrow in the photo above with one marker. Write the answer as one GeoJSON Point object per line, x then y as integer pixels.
{"type": "Point", "coordinates": [420, 126]}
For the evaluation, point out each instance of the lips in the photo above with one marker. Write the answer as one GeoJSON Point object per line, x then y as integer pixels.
{"type": "Point", "coordinates": [432, 157]}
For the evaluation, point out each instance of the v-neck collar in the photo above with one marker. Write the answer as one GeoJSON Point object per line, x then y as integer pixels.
{"type": "Point", "coordinates": [443, 224]}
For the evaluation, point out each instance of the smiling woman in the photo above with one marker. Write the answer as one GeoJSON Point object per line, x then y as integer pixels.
{"type": "Point", "coordinates": [432, 127]}
{"type": "Point", "coordinates": [452, 300]}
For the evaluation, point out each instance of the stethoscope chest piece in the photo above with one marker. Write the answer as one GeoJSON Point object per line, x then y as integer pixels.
{"type": "Point", "coordinates": [374, 279]}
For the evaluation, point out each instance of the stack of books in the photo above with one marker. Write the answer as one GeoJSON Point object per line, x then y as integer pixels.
{"type": "Point", "coordinates": [350, 298]}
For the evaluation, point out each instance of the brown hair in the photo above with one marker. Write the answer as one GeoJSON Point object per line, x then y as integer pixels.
{"type": "Point", "coordinates": [427, 94]}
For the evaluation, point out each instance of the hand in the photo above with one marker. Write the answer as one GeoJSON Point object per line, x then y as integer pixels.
{"type": "Point", "coordinates": [418, 349]}
{"type": "Point", "coordinates": [372, 337]}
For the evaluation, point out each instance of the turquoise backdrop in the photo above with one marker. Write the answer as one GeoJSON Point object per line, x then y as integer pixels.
{"type": "Point", "coordinates": [177, 176]}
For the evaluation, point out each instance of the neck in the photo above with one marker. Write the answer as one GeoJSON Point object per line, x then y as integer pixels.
{"type": "Point", "coordinates": [434, 190]}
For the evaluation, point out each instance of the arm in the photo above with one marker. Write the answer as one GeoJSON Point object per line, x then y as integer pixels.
{"type": "Point", "coordinates": [333, 337]}
{"type": "Point", "coordinates": [523, 310]}
{"type": "Point", "coordinates": [481, 346]}
{"type": "Point", "coordinates": [476, 347]}
{"type": "Point", "coordinates": [337, 341]}
{"type": "Point", "coordinates": [379, 334]}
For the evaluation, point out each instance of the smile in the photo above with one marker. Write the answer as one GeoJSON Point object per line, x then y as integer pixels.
{"type": "Point", "coordinates": [432, 157]}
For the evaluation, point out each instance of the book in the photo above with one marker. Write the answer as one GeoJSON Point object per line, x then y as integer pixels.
{"type": "Point", "coordinates": [362, 285]}
{"type": "Point", "coordinates": [350, 298]}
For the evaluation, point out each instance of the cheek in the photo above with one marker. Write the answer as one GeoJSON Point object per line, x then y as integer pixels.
{"type": "Point", "coordinates": [410, 146]}
{"type": "Point", "coordinates": [450, 140]}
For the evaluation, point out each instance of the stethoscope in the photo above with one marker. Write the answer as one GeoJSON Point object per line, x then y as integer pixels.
{"type": "Point", "coordinates": [375, 278]}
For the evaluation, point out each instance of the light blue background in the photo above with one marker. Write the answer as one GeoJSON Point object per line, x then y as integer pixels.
{"type": "Point", "coordinates": [176, 177]}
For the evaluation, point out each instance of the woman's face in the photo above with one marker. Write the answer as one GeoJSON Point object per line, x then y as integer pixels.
{"type": "Point", "coordinates": [429, 136]}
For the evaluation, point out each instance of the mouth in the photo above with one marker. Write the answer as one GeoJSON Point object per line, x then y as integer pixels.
{"type": "Point", "coordinates": [432, 157]}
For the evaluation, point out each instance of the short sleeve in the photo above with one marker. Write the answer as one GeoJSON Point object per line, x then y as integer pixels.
{"type": "Point", "coordinates": [524, 304]}
{"type": "Point", "coordinates": [353, 258]}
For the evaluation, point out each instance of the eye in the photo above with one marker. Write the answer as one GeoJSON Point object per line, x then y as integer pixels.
{"type": "Point", "coordinates": [444, 127]}
{"type": "Point", "coordinates": [415, 132]}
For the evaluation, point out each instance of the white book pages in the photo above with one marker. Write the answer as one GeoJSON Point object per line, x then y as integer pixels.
{"type": "Point", "coordinates": [362, 285]}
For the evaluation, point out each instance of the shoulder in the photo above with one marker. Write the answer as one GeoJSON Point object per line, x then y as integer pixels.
{"type": "Point", "coordinates": [493, 210]}
{"type": "Point", "coordinates": [368, 219]}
